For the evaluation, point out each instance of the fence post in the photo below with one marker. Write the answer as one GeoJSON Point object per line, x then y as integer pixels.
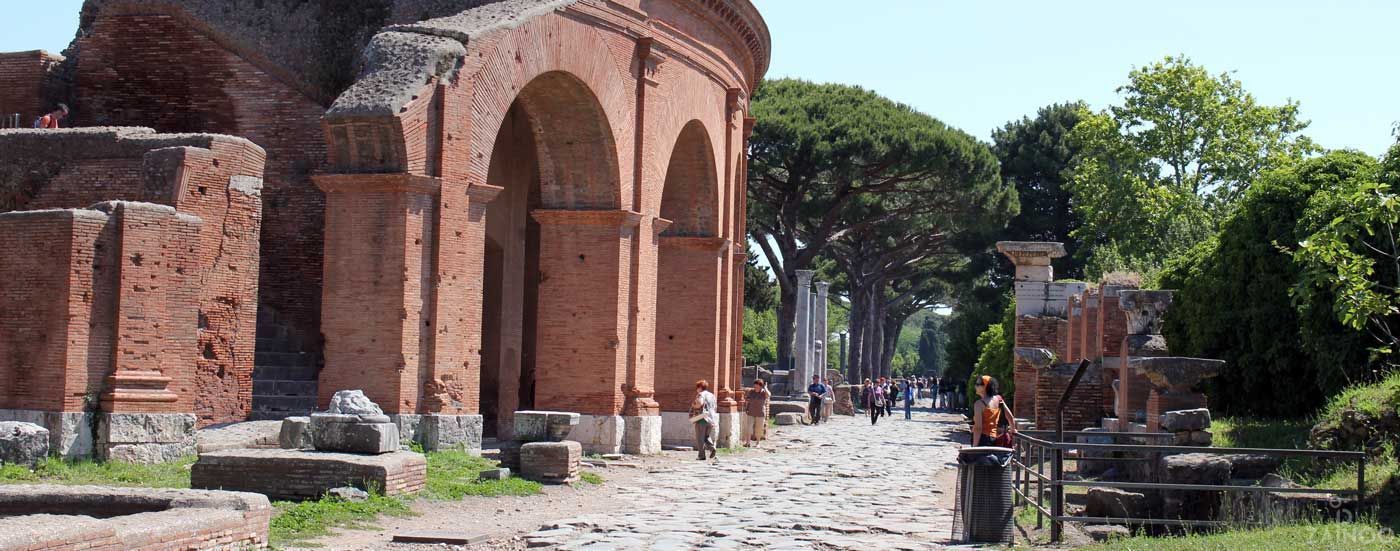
{"type": "Point", "coordinates": [1360, 483]}
{"type": "Point", "coordinates": [1040, 488]}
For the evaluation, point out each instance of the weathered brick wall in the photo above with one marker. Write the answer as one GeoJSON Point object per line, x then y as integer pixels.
{"type": "Point", "coordinates": [23, 79]}
{"type": "Point", "coordinates": [1083, 408]}
{"type": "Point", "coordinates": [1161, 402]}
{"type": "Point", "coordinates": [148, 67]}
{"type": "Point", "coordinates": [687, 332]}
{"type": "Point", "coordinates": [56, 348]}
{"type": "Point", "coordinates": [215, 178]}
{"type": "Point", "coordinates": [1034, 332]}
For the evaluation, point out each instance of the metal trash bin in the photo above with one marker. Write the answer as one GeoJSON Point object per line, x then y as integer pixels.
{"type": "Point", "coordinates": [983, 508]}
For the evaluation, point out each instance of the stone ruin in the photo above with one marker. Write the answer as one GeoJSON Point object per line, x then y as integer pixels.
{"type": "Point", "coordinates": [97, 518]}
{"type": "Point", "coordinates": [540, 450]}
{"type": "Point", "coordinates": [352, 445]}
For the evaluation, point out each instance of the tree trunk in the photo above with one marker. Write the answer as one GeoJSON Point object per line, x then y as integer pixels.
{"type": "Point", "coordinates": [854, 330]}
{"type": "Point", "coordinates": [893, 327]}
{"type": "Point", "coordinates": [871, 353]}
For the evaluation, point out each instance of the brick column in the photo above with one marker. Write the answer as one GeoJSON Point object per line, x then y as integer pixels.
{"type": "Point", "coordinates": [1033, 301]}
{"type": "Point", "coordinates": [582, 325]}
{"type": "Point", "coordinates": [688, 340]}
{"type": "Point", "coordinates": [148, 397]}
{"type": "Point", "coordinates": [376, 298]}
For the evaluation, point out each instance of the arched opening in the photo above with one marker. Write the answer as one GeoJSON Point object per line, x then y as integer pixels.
{"type": "Point", "coordinates": [553, 151]}
{"type": "Point", "coordinates": [690, 269]}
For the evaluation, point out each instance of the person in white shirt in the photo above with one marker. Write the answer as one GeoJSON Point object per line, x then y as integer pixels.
{"type": "Point", "coordinates": [705, 416]}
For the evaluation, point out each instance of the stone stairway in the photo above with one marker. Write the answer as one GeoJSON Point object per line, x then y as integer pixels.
{"type": "Point", "coordinates": [284, 377]}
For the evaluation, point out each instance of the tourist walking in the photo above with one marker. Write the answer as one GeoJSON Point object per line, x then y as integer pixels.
{"type": "Point", "coordinates": [815, 391]}
{"type": "Point", "coordinates": [933, 391]}
{"type": "Point", "coordinates": [873, 399]}
{"type": "Point", "coordinates": [920, 390]}
{"type": "Point", "coordinates": [908, 399]}
{"type": "Point", "coordinates": [888, 390]}
{"type": "Point", "coordinates": [756, 413]}
{"type": "Point", "coordinates": [990, 415]}
{"type": "Point", "coordinates": [828, 399]}
{"type": "Point", "coordinates": [705, 417]}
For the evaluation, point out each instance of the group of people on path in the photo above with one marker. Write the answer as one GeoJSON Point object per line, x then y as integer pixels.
{"type": "Point", "coordinates": [878, 397]}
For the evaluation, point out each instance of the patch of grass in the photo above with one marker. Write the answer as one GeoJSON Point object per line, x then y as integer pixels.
{"type": "Point", "coordinates": [1372, 399]}
{"type": "Point", "coordinates": [1255, 432]}
{"type": "Point", "coordinates": [590, 477]}
{"type": "Point", "coordinates": [731, 450]}
{"type": "Point", "coordinates": [1303, 537]}
{"type": "Point", "coordinates": [174, 474]}
{"type": "Point", "coordinates": [453, 475]}
{"type": "Point", "coordinates": [298, 521]}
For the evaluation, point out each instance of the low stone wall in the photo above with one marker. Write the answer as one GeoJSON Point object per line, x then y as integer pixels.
{"type": "Point", "coordinates": [122, 519]}
{"type": "Point", "coordinates": [298, 474]}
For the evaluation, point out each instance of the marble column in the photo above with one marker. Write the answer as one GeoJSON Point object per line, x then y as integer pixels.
{"type": "Point", "coordinates": [820, 329]}
{"type": "Point", "coordinates": [802, 331]}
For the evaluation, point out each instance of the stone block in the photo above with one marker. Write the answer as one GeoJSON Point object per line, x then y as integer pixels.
{"type": "Point", "coordinates": [641, 434]}
{"type": "Point", "coordinates": [789, 419]}
{"type": "Point", "coordinates": [544, 426]}
{"type": "Point", "coordinates": [1115, 503]}
{"type": "Point", "coordinates": [451, 432]}
{"type": "Point", "coordinates": [551, 462]}
{"type": "Point", "coordinates": [308, 474]}
{"type": "Point", "coordinates": [348, 434]}
{"type": "Point", "coordinates": [1107, 532]}
{"type": "Point", "coordinates": [599, 433]}
{"type": "Point", "coordinates": [1251, 466]}
{"type": "Point", "coordinates": [1090, 462]}
{"type": "Point", "coordinates": [23, 443]}
{"type": "Point", "coordinates": [295, 434]}
{"type": "Point", "coordinates": [1186, 420]}
{"type": "Point", "coordinates": [730, 430]}
{"type": "Point", "coordinates": [353, 402]}
{"type": "Point", "coordinates": [494, 474]}
{"type": "Point", "coordinates": [145, 437]}
{"type": "Point", "coordinates": [775, 408]}
{"type": "Point", "coordinates": [1193, 468]}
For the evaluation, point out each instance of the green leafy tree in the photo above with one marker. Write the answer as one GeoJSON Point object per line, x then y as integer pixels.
{"type": "Point", "coordinates": [930, 345]}
{"type": "Point", "coordinates": [1036, 156]}
{"type": "Point", "coordinates": [1158, 173]}
{"type": "Point", "coordinates": [1233, 298]}
{"type": "Point", "coordinates": [995, 356]}
{"type": "Point", "coordinates": [1350, 258]}
{"type": "Point", "coordinates": [827, 160]}
{"type": "Point", "coordinates": [760, 293]}
{"type": "Point", "coordinates": [760, 336]}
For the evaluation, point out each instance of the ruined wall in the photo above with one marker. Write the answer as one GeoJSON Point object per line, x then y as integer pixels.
{"type": "Point", "coordinates": [163, 69]}
{"type": "Point", "coordinates": [53, 356]}
{"type": "Point", "coordinates": [1082, 410]}
{"type": "Point", "coordinates": [24, 80]}
{"type": "Point", "coordinates": [214, 178]}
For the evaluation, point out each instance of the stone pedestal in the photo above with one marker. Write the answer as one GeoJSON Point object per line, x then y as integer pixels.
{"type": "Point", "coordinates": [551, 462]}
{"type": "Point", "coordinates": [641, 434]}
{"type": "Point", "coordinates": [544, 426]}
{"type": "Point", "coordinates": [729, 435]}
{"type": "Point", "coordinates": [845, 403]}
{"type": "Point", "coordinates": [676, 429]}
{"type": "Point", "coordinates": [451, 432]}
{"type": "Point", "coordinates": [145, 437]}
{"type": "Point", "coordinates": [70, 433]}
{"type": "Point", "coordinates": [23, 443]}
{"type": "Point", "coordinates": [297, 474]}
{"type": "Point", "coordinates": [367, 434]}
{"type": "Point", "coordinates": [600, 433]}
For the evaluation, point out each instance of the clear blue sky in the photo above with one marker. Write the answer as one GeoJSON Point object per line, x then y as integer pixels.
{"type": "Point", "coordinates": [978, 64]}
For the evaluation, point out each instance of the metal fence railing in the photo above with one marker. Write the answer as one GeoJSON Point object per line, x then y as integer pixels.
{"type": "Point", "coordinates": [1036, 452]}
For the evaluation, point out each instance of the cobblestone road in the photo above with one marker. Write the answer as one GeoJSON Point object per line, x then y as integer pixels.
{"type": "Point", "coordinates": [840, 485]}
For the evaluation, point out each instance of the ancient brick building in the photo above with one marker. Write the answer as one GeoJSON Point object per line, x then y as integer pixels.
{"type": "Point", "coordinates": [468, 207]}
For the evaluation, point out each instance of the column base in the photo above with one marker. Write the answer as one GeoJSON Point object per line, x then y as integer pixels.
{"type": "Point", "coordinates": [643, 435]}
{"type": "Point", "coordinates": [70, 432]}
{"type": "Point", "coordinates": [599, 433]}
{"type": "Point", "coordinates": [436, 431]}
{"type": "Point", "coordinates": [676, 429]}
{"type": "Point", "coordinates": [729, 430]}
{"type": "Point", "coordinates": [145, 437]}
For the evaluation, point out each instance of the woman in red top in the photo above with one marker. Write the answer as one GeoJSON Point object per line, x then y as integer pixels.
{"type": "Point", "coordinates": [51, 120]}
{"type": "Point", "coordinates": [987, 412]}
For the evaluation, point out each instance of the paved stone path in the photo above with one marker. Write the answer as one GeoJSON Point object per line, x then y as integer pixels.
{"type": "Point", "coordinates": [839, 485]}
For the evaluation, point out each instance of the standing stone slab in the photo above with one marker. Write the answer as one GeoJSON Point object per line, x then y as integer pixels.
{"type": "Point", "coordinates": [23, 443]}
{"type": "Point", "coordinates": [551, 462]}
{"type": "Point", "coordinates": [295, 434]}
{"type": "Point", "coordinates": [451, 432]}
{"type": "Point", "coordinates": [544, 426]}
{"type": "Point", "coordinates": [145, 437]}
{"type": "Point", "coordinates": [789, 419]}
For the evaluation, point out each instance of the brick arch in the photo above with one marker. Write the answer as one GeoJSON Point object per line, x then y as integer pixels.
{"type": "Point", "coordinates": [579, 96]}
{"type": "Point", "coordinates": [690, 194]}
{"type": "Point", "coordinates": [575, 147]}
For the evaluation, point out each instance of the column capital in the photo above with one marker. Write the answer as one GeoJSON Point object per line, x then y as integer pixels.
{"type": "Point", "coordinates": [1032, 258]}
{"type": "Point", "coordinates": [483, 193]}
{"type": "Point", "coordinates": [804, 278]}
{"type": "Point", "coordinates": [822, 287]}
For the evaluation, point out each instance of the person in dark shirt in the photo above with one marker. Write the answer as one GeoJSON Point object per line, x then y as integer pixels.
{"type": "Point", "coordinates": [815, 391]}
